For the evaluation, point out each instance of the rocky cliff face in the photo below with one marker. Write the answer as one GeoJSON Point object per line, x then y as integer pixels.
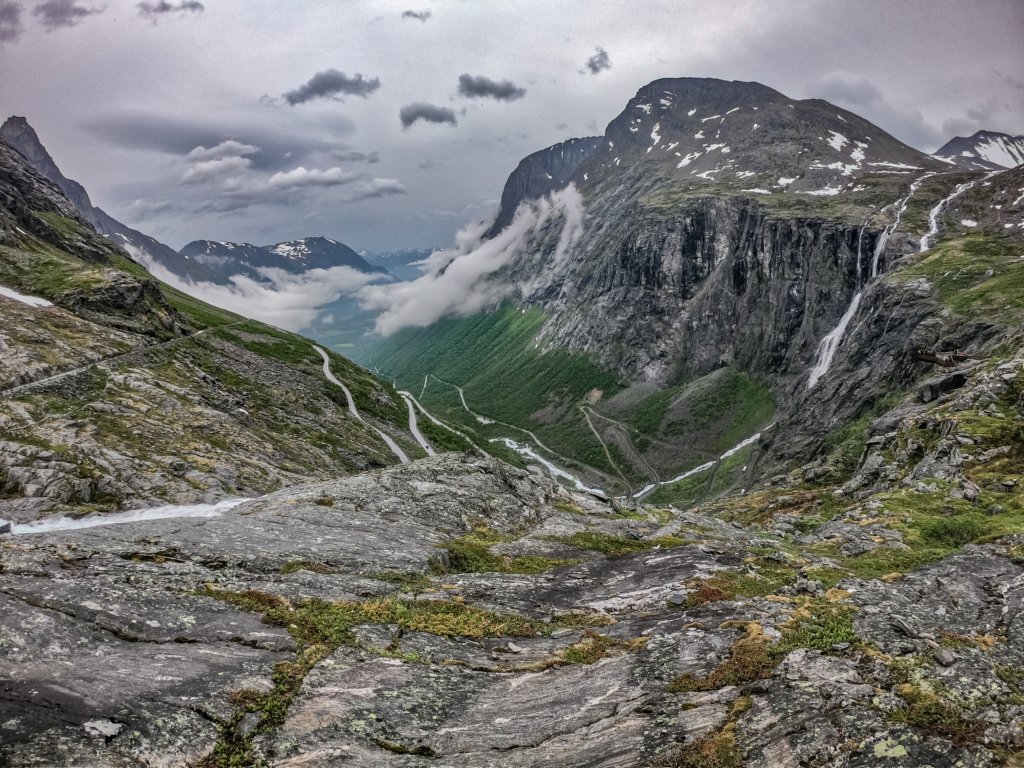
{"type": "Point", "coordinates": [17, 133]}
{"type": "Point", "coordinates": [541, 173]}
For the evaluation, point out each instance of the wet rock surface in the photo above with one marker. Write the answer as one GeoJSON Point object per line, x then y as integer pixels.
{"type": "Point", "coordinates": [157, 643]}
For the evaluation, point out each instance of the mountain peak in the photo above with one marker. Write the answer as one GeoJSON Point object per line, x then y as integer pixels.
{"type": "Point", "coordinates": [19, 133]}
{"type": "Point", "coordinates": [983, 151]}
{"type": "Point", "coordinates": [747, 135]}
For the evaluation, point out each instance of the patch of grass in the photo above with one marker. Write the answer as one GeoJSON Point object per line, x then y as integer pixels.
{"type": "Point", "coordinates": [594, 647]}
{"type": "Point", "coordinates": [613, 546]}
{"type": "Point", "coordinates": [319, 627]}
{"type": "Point", "coordinates": [763, 579]}
{"type": "Point", "coordinates": [442, 439]}
{"type": "Point", "coordinates": [818, 625]}
{"type": "Point", "coordinates": [751, 658]}
{"type": "Point", "coordinates": [732, 406]}
{"type": "Point", "coordinates": [953, 531]}
{"type": "Point", "coordinates": [716, 750]}
{"type": "Point", "coordinates": [979, 274]}
{"type": "Point", "coordinates": [704, 594]}
{"type": "Point", "coordinates": [472, 554]}
{"type": "Point", "coordinates": [932, 709]}
{"type": "Point", "coordinates": [648, 414]}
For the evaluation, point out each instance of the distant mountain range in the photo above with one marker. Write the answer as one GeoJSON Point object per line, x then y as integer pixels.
{"type": "Point", "coordinates": [984, 151]}
{"type": "Point", "coordinates": [399, 263]}
{"type": "Point", "coordinates": [227, 259]}
{"type": "Point", "coordinates": [199, 261]}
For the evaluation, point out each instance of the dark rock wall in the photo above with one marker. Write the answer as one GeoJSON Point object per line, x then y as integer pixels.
{"type": "Point", "coordinates": [541, 173]}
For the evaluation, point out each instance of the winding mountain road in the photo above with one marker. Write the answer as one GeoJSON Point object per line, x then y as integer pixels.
{"type": "Point", "coordinates": [414, 427]}
{"type": "Point", "coordinates": [395, 448]}
{"type": "Point", "coordinates": [485, 420]}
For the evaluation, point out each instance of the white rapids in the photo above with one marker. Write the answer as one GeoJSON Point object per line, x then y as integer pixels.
{"type": "Point", "coordinates": [936, 212]}
{"type": "Point", "coordinates": [165, 512]}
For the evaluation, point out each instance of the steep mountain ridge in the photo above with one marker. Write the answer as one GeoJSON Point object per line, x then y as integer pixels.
{"type": "Point", "coordinates": [747, 135]}
{"type": "Point", "coordinates": [119, 391]}
{"type": "Point", "coordinates": [18, 134]}
{"type": "Point", "coordinates": [543, 172]}
{"type": "Point", "coordinates": [983, 151]}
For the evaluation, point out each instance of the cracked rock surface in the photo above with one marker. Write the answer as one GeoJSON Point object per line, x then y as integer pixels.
{"type": "Point", "coordinates": [129, 645]}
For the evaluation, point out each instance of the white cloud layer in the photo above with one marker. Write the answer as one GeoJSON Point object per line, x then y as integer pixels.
{"type": "Point", "coordinates": [456, 279]}
{"type": "Point", "coordinates": [289, 301]}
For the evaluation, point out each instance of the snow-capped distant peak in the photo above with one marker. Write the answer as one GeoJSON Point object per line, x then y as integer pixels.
{"type": "Point", "coordinates": [985, 150]}
{"type": "Point", "coordinates": [294, 249]}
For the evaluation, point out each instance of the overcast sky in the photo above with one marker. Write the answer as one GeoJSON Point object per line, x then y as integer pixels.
{"type": "Point", "coordinates": [392, 124]}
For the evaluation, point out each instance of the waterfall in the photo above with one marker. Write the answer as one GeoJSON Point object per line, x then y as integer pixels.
{"type": "Point", "coordinates": [933, 215]}
{"type": "Point", "coordinates": [901, 207]}
{"type": "Point", "coordinates": [829, 345]}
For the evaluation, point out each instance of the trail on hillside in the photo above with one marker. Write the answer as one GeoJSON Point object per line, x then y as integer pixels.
{"type": "Point", "coordinates": [110, 360]}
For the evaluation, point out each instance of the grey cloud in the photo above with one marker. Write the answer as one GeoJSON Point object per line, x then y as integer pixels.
{"type": "Point", "coordinates": [483, 87]}
{"type": "Point", "coordinates": [330, 84]}
{"type": "Point", "coordinates": [300, 177]}
{"type": "Point", "coordinates": [599, 61]}
{"type": "Point", "coordinates": [153, 11]}
{"type": "Point", "coordinates": [378, 188]}
{"type": "Point", "coordinates": [354, 156]}
{"type": "Point", "coordinates": [418, 15]}
{"type": "Point", "coordinates": [173, 135]}
{"type": "Point", "coordinates": [219, 168]}
{"type": "Point", "coordinates": [985, 116]}
{"type": "Point", "coordinates": [55, 14]}
{"type": "Point", "coordinates": [10, 21]}
{"type": "Point", "coordinates": [419, 110]}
